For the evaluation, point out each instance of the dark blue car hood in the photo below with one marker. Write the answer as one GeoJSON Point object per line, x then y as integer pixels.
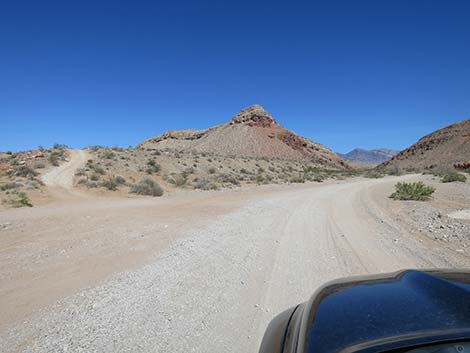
{"type": "Point", "coordinates": [409, 306]}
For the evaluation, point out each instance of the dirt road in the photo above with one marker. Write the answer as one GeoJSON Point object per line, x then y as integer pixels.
{"type": "Point", "coordinates": [230, 261]}
{"type": "Point", "coordinates": [62, 176]}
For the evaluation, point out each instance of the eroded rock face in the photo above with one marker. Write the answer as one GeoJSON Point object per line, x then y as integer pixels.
{"type": "Point", "coordinates": [254, 116]}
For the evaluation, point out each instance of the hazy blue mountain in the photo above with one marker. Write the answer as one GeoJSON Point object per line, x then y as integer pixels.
{"type": "Point", "coordinates": [377, 156]}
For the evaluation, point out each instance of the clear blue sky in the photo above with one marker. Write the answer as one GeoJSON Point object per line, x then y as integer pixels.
{"type": "Point", "coordinates": [344, 73]}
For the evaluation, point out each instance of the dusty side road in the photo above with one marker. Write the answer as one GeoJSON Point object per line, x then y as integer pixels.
{"type": "Point", "coordinates": [219, 265]}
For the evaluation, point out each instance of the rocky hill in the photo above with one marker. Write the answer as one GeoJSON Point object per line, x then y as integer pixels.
{"type": "Point", "coordinates": [371, 157]}
{"type": "Point", "coordinates": [443, 149]}
{"type": "Point", "coordinates": [251, 133]}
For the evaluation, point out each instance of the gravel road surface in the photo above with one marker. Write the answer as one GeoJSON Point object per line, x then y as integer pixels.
{"type": "Point", "coordinates": [216, 288]}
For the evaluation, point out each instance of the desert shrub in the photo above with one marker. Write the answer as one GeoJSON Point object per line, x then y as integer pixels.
{"type": "Point", "coordinates": [98, 169]}
{"type": "Point", "coordinates": [59, 146]}
{"type": "Point", "coordinates": [260, 179]}
{"type": "Point", "coordinates": [178, 179]}
{"type": "Point", "coordinates": [53, 159]}
{"type": "Point", "coordinates": [80, 172]}
{"type": "Point", "coordinates": [94, 177]}
{"type": "Point", "coordinates": [82, 181]}
{"type": "Point", "coordinates": [34, 184]}
{"type": "Point", "coordinates": [319, 178]}
{"type": "Point", "coordinates": [21, 200]}
{"type": "Point", "coordinates": [453, 176]}
{"type": "Point", "coordinates": [10, 186]}
{"type": "Point", "coordinates": [297, 179]}
{"type": "Point", "coordinates": [119, 180]}
{"type": "Point", "coordinates": [212, 170]}
{"type": "Point", "coordinates": [148, 187]}
{"type": "Point", "coordinates": [417, 191]}
{"type": "Point", "coordinates": [108, 154]}
{"type": "Point", "coordinates": [227, 178]}
{"type": "Point", "coordinates": [243, 171]}
{"type": "Point", "coordinates": [152, 167]}
{"type": "Point", "coordinates": [372, 174]}
{"type": "Point", "coordinates": [205, 184]}
{"type": "Point", "coordinates": [88, 183]}
{"type": "Point", "coordinates": [109, 184]}
{"type": "Point", "coordinates": [25, 171]}
{"type": "Point", "coordinates": [39, 165]}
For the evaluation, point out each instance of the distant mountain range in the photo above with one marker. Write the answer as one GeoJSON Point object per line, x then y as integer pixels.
{"type": "Point", "coordinates": [363, 156]}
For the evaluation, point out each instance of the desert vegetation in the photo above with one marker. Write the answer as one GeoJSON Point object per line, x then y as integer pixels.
{"type": "Point", "coordinates": [192, 170]}
{"type": "Point", "coordinates": [453, 176]}
{"type": "Point", "coordinates": [147, 186]}
{"type": "Point", "coordinates": [19, 173]}
{"type": "Point", "coordinates": [416, 191]}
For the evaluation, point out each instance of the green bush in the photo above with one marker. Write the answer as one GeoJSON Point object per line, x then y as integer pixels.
{"type": "Point", "coordinates": [372, 174]}
{"type": "Point", "coordinates": [453, 176]}
{"type": "Point", "coordinates": [412, 191]}
{"type": "Point", "coordinates": [21, 200]}
{"type": "Point", "coordinates": [148, 187]}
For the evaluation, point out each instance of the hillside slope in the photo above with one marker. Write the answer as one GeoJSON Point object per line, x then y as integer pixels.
{"type": "Point", "coordinates": [439, 150]}
{"type": "Point", "coordinates": [251, 133]}
{"type": "Point", "coordinates": [363, 156]}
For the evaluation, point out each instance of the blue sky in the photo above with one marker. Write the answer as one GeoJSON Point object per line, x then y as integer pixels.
{"type": "Point", "coordinates": [344, 73]}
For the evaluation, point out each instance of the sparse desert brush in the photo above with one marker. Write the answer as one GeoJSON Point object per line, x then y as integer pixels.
{"type": "Point", "coordinates": [108, 154]}
{"type": "Point", "coordinates": [417, 191]}
{"type": "Point", "coordinates": [39, 165]}
{"type": "Point", "coordinates": [109, 184]}
{"type": "Point", "coordinates": [152, 167]}
{"type": "Point", "coordinates": [80, 172]}
{"type": "Point", "coordinates": [372, 174]}
{"type": "Point", "coordinates": [94, 177]}
{"type": "Point", "coordinates": [227, 178]}
{"type": "Point", "coordinates": [98, 169]}
{"type": "Point", "coordinates": [177, 179]}
{"type": "Point", "coordinates": [297, 179]}
{"type": "Point", "coordinates": [34, 184]}
{"type": "Point", "coordinates": [88, 183]}
{"type": "Point", "coordinates": [119, 180]}
{"type": "Point", "coordinates": [453, 176]}
{"type": "Point", "coordinates": [20, 199]}
{"type": "Point", "coordinates": [147, 187]}
{"type": "Point", "coordinates": [25, 171]}
{"type": "Point", "coordinates": [10, 186]}
{"type": "Point", "coordinates": [212, 170]}
{"type": "Point", "coordinates": [205, 184]}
